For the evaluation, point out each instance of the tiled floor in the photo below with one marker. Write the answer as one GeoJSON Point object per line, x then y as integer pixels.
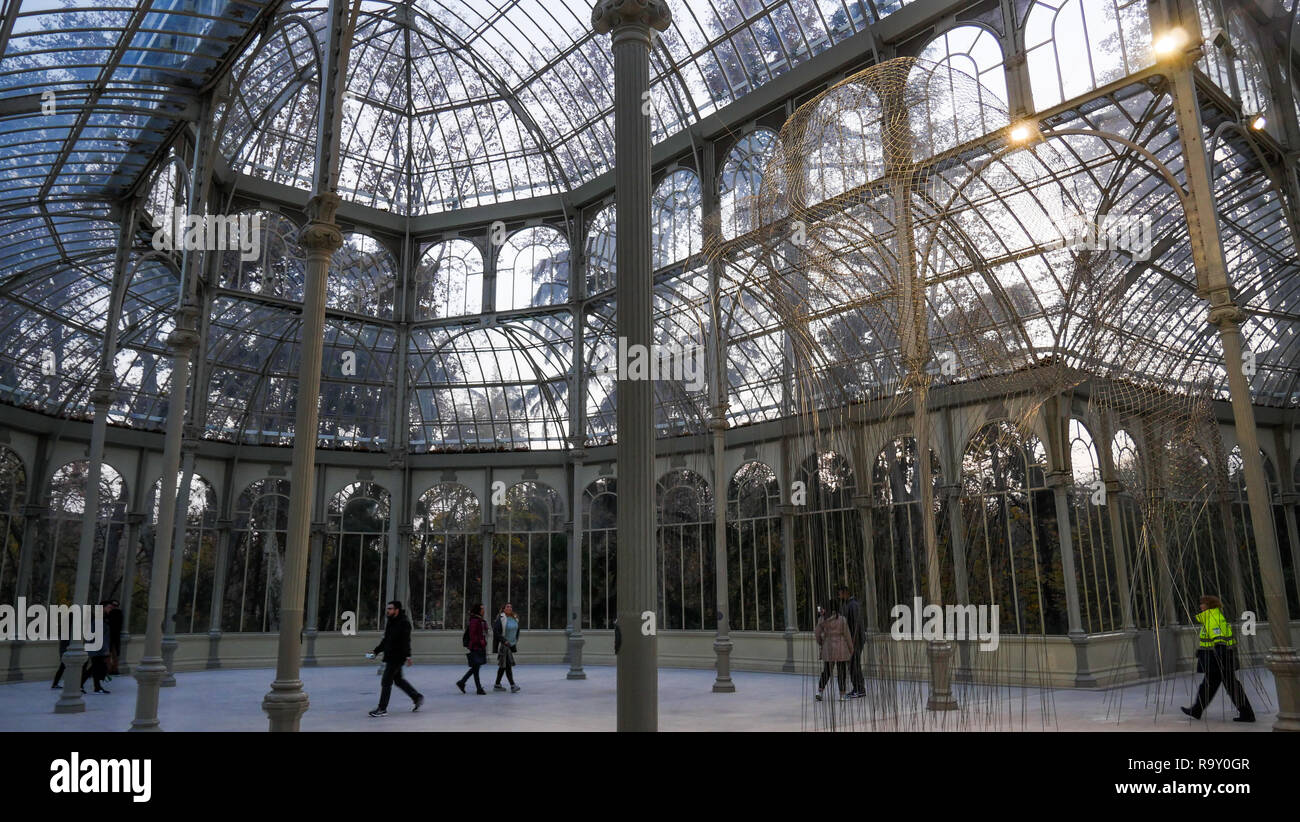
{"type": "Point", "coordinates": [340, 697]}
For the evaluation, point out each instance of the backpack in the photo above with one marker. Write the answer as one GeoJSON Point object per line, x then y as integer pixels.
{"type": "Point", "coordinates": [464, 640]}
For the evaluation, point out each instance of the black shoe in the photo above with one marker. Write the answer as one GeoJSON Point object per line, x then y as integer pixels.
{"type": "Point", "coordinates": [55, 686]}
{"type": "Point", "coordinates": [102, 691]}
{"type": "Point", "coordinates": [1250, 718]}
{"type": "Point", "coordinates": [498, 687]}
{"type": "Point", "coordinates": [460, 685]}
{"type": "Point", "coordinates": [481, 692]}
{"type": "Point", "coordinates": [1188, 711]}
{"type": "Point", "coordinates": [378, 713]}
{"type": "Point", "coordinates": [514, 689]}
{"type": "Point", "coordinates": [419, 700]}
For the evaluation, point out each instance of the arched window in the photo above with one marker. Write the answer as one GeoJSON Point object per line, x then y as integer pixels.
{"type": "Point", "coordinates": [354, 557]}
{"type": "Point", "coordinates": [1090, 529]}
{"type": "Point", "coordinates": [198, 564]}
{"type": "Point", "coordinates": [600, 544]}
{"type": "Point", "coordinates": [255, 566]}
{"type": "Point", "coordinates": [754, 587]}
{"type": "Point", "coordinates": [1131, 474]}
{"type": "Point", "coordinates": [1073, 47]}
{"type": "Point", "coordinates": [13, 493]}
{"type": "Point", "coordinates": [676, 218]}
{"type": "Point", "coordinates": [55, 566]}
{"type": "Point", "coordinates": [1252, 77]}
{"type": "Point", "coordinates": [959, 109]}
{"type": "Point", "coordinates": [530, 556]}
{"type": "Point", "coordinates": [687, 598]}
{"type": "Point", "coordinates": [1013, 553]}
{"type": "Point", "coordinates": [449, 281]}
{"type": "Point", "coordinates": [827, 535]}
{"type": "Point", "coordinates": [898, 535]}
{"type": "Point", "coordinates": [843, 142]}
{"type": "Point", "coordinates": [741, 179]}
{"type": "Point", "coordinates": [446, 563]}
{"type": "Point", "coordinates": [533, 269]}
{"type": "Point", "coordinates": [362, 277]}
{"type": "Point", "coordinates": [279, 267]}
{"type": "Point", "coordinates": [602, 267]}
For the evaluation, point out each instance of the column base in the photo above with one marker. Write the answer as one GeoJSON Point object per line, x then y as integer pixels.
{"type": "Point", "coordinates": [1083, 677]}
{"type": "Point", "coordinates": [15, 673]}
{"type": "Point", "coordinates": [309, 646]}
{"type": "Point", "coordinates": [70, 700]}
{"type": "Point", "coordinates": [787, 667]}
{"type": "Point", "coordinates": [576, 643]}
{"type": "Point", "coordinates": [285, 704]}
{"type": "Point", "coordinates": [1285, 665]}
{"type": "Point", "coordinates": [148, 674]}
{"type": "Point", "coordinates": [169, 646]}
{"type": "Point", "coordinates": [722, 649]}
{"type": "Point", "coordinates": [214, 650]}
{"type": "Point", "coordinates": [941, 698]}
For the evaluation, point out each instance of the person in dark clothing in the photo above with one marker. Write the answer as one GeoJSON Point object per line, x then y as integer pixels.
{"type": "Point", "coordinates": [115, 620]}
{"type": "Point", "coordinates": [1217, 659]}
{"type": "Point", "coordinates": [396, 648]}
{"type": "Point", "coordinates": [97, 662]}
{"type": "Point", "coordinates": [853, 614]}
{"type": "Point", "coordinates": [476, 647]}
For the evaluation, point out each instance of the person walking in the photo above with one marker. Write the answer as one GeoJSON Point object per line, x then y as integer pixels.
{"type": "Point", "coordinates": [58, 675]}
{"type": "Point", "coordinates": [475, 641]}
{"type": "Point", "coordinates": [1217, 659]}
{"type": "Point", "coordinates": [115, 619]}
{"type": "Point", "coordinates": [835, 645]}
{"type": "Point", "coordinates": [97, 659]}
{"type": "Point", "coordinates": [505, 641]}
{"type": "Point", "coordinates": [396, 648]}
{"type": "Point", "coordinates": [853, 616]}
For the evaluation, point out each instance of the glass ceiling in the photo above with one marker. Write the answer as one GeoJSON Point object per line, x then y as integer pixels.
{"type": "Point", "coordinates": [450, 105]}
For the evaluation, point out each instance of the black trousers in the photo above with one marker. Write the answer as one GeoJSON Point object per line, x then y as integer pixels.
{"type": "Point", "coordinates": [96, 666]}
{"type": "Point", "coordinates": [473, 671]}
{"type": "Point", "coordinates": [840, 671]}
{"type": "Point", "coordinates": [855, 672]}
{"type": "Point", "coordinates": [1221, 669]}
{"type": "Point", "coordinates": [393, 676]}
{"type": "Point", "coordinates": [507, 670]}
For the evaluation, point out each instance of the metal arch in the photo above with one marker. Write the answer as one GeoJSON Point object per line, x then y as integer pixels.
{"type": "Point", "coordinates": [454, 45]}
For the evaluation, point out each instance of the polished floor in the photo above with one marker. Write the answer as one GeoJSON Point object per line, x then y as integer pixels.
{"type": "Point", "coordinates": [230, 700]}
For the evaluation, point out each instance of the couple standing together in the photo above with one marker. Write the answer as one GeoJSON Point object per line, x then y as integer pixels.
{"type": "Point", "coordinates": [505, 642]}
{"type": "Point", "coordinates": [839, 640]}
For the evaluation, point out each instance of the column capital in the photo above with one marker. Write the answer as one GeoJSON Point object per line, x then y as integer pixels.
{"type": "Point", "coordinates": [487, 529]}
{"type": "Point", "coordinates": [405, 531]}
{"type": "Point", "coordinates": [951, 491]}
{"type": "Point", "coordinates": [225, 524]}
{"type": "Point", "coordinates": [101, 396]}
{"type": "Point", "coordinates": [135, 519]}
{"type": "Point", "coordinates": [319, 528]}
{"type": "Point", "coordinates": [609, 15]}
{"type": "Point", "coordinates": [1058, 479]}
{"type": "Point", "coordinates": [321, 235]}
{"type": "Point", "coordinates": [184, 337]}
{"type": "Point", "coordinates": [397, 458]}
{"type": "Point", "coordinates": [1224, 312]}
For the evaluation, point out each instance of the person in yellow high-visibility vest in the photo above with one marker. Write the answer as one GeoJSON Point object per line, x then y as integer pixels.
{"type": "Point", "coordinates": [1217, 659]}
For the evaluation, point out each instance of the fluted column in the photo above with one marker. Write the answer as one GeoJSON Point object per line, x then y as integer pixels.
{"type": "Point", "coordinates": [576, 640]}
{"type": "Point", "coordinates": [133, 523]}
{"type": "Point", "coordinates": [630, 22]}
{"type": "Point", "coordinates": [309, 630]}
{"type": "Point", "coordinates": [189, 445]}
{"type": "Point", "coordinates": [722, 645]}
{"type": "Point", "coordinates": [150, 671]}
{"type": "Point", "coordinates": [1214, 286]}
{"type": "Point", "coordinates": [224, 528]}
{"type": "Point", "coordinates": [286, 702]}
{"type": "Point", "coordinates": [74, 657]}
{"type": "Point", "coordinates": [34, 518]}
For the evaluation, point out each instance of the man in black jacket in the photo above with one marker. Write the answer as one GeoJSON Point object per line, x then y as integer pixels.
{"type": "Point", "coordinates": [853, 615]}
{"type": "Point", "coordinates": [396, 648]}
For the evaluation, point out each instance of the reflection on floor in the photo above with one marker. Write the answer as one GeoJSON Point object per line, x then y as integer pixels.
{"type": "Point", "coordinates": [340, 697]}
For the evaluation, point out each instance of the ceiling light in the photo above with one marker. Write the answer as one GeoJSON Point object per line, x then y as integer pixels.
{"type": "Point", "coordinates": [1258, 122]}
{"type": "Point", "coordinates": [1169, 43]}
